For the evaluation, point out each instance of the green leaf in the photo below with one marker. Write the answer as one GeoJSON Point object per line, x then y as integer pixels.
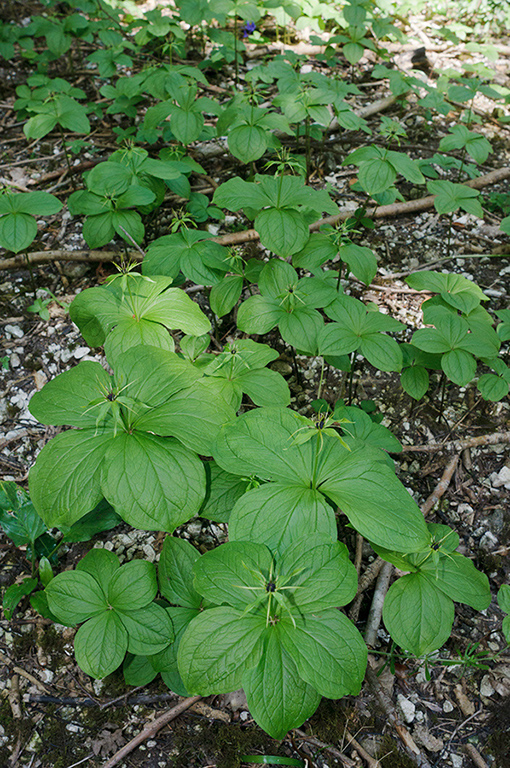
{"type": "Point", "coordinates": [492, 387]}
{"type": "Point", "coordinates": [23, 525]}
{"type": "Point", "coordinates": [17, 231]}
{"type": "Point", "coordinates": [149, 629]}
{"type": "Point", "coordinates": [138, 670]}
{"type": "Point", "coordinates": [282, 230]}
{"type": "Point", "coordinates": [231, 574]}
{"type": "Point", "coordinates": [192, 416]}
{"type": "Point", "coordinates": [277, 697]}
{"type": "Point", "coordinates": [39, 125]}
{"type": "Point", "coordinates": [276, 514]}
{"type": "Point", "coordinates": [381, 351]}
{"type": "Point", "coordinates": [64, 482]}
{"type": "Point", "coordinates": [223, 490]}
{"type": "Point", "coordinates": [166, 489]}
{"type": "Point", "coordinates": [459, 366]}
{"type": "Point", "coordinates": [265, 387]}
{"type": "Point", "coordinates": [320, 573]}
{"type": "Point", "coordinates": [417, 615]}
{"type": "Point", "coordinates": [74, 596]}
{"type": "Point", "coordinates": [415, 381]}
{"type": "Point", "coordinates": [100, 644]}
{"type": "Point", "coordinates": [133, 586]}
{"type": "Point", "coordinates": [101, 565]}
{"type": "Point", "coordinates": [450, 197]}
{"type": "Point", "coordinates": [360, 260]}
{"type": "Point", "coordinates": [328, 651]}
{"type": "Point", "coordinates": [130, 332]}
{"type": "Point", "coordinates": [377, 175]}
{"type": "Point", "coordinates": [109, 179]}
{"type": "Point", "coordinates": [456, 290]}
{"type": "Point", "coordinates": [247, 142]}
{"type": "Point", "coordinates": [99, 230]}
{"type": "Point", "coordinates": [259, 314]}
{"type": "Point", "coordinates": [101, 518]}
{"type": "Point", "coordinates": [457, 577]}
{"type": "Point", "coordinates": [301, 329]}
{"type": "Point", "coordinates": [504, 598]}
{"type": "Point", "coordinates": [225, 294]}
{"type": "Point", "coordinates": [216, 649]}
{"type": "Point", "coordinates": [66, 399]}
{"type": "Point", "coordinates": [15, 593]}
{"type": "Point", "coordinates": [374, 500]}
{"type": "Point", "coordinates": [176, 573]}
{"type": "Point", "coordinates": [38, 203]}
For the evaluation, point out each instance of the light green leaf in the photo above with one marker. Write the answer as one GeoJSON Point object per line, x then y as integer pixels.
{"type": "Point", "coordinates": [166, 489]}
{"type": "Point", "coordinates": [223, 490]}
{"type": "Point", "coordinates": [328, 651]}
{"type": "Point", "coordinates": [418, 616]}
{"type": "Point", "coordinates": [216, 649]}
{"type": "Point", "coordinates": [74, 596]}
{"type": "Point", "coordinates": [149, 629]}
{"type": "Point", "coordinates": [504, 598]}
{"type": "Point", "coordinates": [457, 577]}
{"type": "Point", "coordinates": [133, 586]}
{"type": "Point", "coordinates": [233, 574]}
{"type": "Point", "coordinates": [176, 573]}
{"type": "Point", "coordinates": [282, 230]}
{"type": "Point", "coordinates": [17, 231]}
{"type": "Point", "coordinates": [66, 398]}
{"type": "Point", "coordinates": [100, 645]}
{"type": "Point", "coordinates": [459, 366]}
{"type": "Point", "coordinates": [276, 515]}
{"type": "Point", "coordinates": [321, 572]}
{"type": "Point", "coordinates": [101, 564]}
{"type": "Point", "coordinates": [64, 482]}
{"type": "Point", "coordinates": [259, 314]}
{"type": "Point", "coordinates": [277, 697]}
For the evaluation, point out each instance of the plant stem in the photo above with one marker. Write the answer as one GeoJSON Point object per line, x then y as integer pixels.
{"type": "Point", "coordinates": [353, 365]}
{"type": "Point", "coordinates": [236, 64]}
{"type": "Point", "coordinates": [32, 277]}
{"type": "Point", "coordinates": [320, 380]}
{"type": "Point", "coordinates": [64, 147]}
{"type": "Point", "coordinates": [296, 370]}
{"type": "Point", "coordinates": [442, 386]}
{"type": "Point", "coordinates": [318, 447]}
{"type": "Point", "coordinates": [307, 147]}
{"type": "Point", "coordinates": [340, 270]}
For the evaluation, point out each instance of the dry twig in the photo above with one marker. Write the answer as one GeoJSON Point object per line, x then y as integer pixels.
{"type": "Point", "coordinates": [375, 613]}
{"type": "Point", "coordinates": [442, 486]}
{"type": "Point", "coordinates": [151, 730]}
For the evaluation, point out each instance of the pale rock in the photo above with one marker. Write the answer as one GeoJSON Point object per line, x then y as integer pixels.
{"type": "Point", "coordinates": [497, 478]}
{"type": "Point", "coordinates": [430, 742]}
{"type": "Point", "coordinates": [236, 700]}
{"type": "Point", "coordinates": [407, 708]}
{"type": "Point", "coordinates": [40, 379]}
{"type": "Point", "coordinates": [14, 330]}
{"type": "Point", "coordinates": [14, 360]}
{"type": "Point", "coordinates": [80, 352]}
{"type": "Point", "coordinates": [486, 688]}
{"type": "Point", "coordinates": [448, 707]}
{"type": "Point", "coordinates": [488, 541]}
{"type": "Point", "coordinates": [149, 552]}
{"type": "Point", "coordinates": [457, 761]}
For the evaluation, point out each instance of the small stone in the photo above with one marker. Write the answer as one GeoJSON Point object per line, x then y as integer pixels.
{"type": "Point", "coordinates": [152, 743]}
{"type": "Point", "coordinates": [280, 366]}
{"type": "Point", "coordinates": [429, 741]}
{"type": "Point", "coordinates": [486, 688]}
{"type": "Point", "coordinates": [244, 716]}
{"type": "Point", "coordinates": [448, 707]}
{"type": "Point", "coordinates": [80, 352]}
{"type": "Point", "coordinates": [14, 360]}
{"type": "Point", "coordinates": [488, 541]}
{"type": "Point", "coordinates": [14, 330]}
{"type": "Point", "coordinates": [40, 379]}
{"type": "Point", "coordinates": [457, 761]}
{"type": "Point", "coordinates": [497, 478]}
{"type": "Point", "coordinates": [407, 708]}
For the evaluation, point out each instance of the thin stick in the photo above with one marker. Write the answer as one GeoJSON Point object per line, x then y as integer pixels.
{"type": "Point", "coordinates": [459, 445]}
{"type": "Point", "coordinates": [442, 486]}
{"type": "Point", "coordinates": [375, 613]}
{"type": "Point", "coordinates": [387, 705]}
{"type": "Point", "coordinates": [370, 761]}
{"type": "Point", "coordinates": [359, 553]}
{"type": "Point", "coordinates": [346, 761]}
{"type": "Point", "coordinates": [366, 580]}
{"type": "Point", "coordinates": [475, 756]}
{"type": "Point", "coordinates": [151, 730]}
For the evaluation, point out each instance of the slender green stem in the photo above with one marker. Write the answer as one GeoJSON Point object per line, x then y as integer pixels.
{"type": "Point", "coordinates": [340, 270]}
{"type": "Point", "coordinates": [235, 52]}
{"type": "Point", "coordinates": [32, 276]}
{"type": "Point", "coordinates": [318, 446]}
{"type": "Point", "coordinates": [68, 162]}
{"type": "Point", "coordinates": [351, 377]}
{"type": "Point", "coordinates": [307, 147]}
{"type": "Point", "coordinates": [320, 380]}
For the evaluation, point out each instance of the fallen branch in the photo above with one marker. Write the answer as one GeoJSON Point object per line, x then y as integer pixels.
{"type": "Point", "coordinates": [375, 613]}
{"type": "Point", "coordinates": [151, 730]}
{"type": "Point", "coordinates": [369, 760]}
{"type": "Point", "coordinates": [475, 756]}
{"type": "Point", "coordinates": [387, 705]}
{"type": "Point", "coordinates": [366, 580]}
{"type": "Point", "coordinates": [442, 486]}
{"type": "Point", "coordinates": [459, 445]}
{"type": "Point", "coordinates": [250, 235]}
{"type": "Point", "coordinates": [346, 761]}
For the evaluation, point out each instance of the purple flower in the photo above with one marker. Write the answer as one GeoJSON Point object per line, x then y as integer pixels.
{"type": "Point", "coordinates": [248, 28]}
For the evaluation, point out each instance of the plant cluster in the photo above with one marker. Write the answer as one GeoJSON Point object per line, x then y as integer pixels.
{"type": "Point", "coordinates": [171, 429]}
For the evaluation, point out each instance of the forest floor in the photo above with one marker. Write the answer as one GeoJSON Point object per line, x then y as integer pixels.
{"type": "Point", "coordinates": [54, 716]}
